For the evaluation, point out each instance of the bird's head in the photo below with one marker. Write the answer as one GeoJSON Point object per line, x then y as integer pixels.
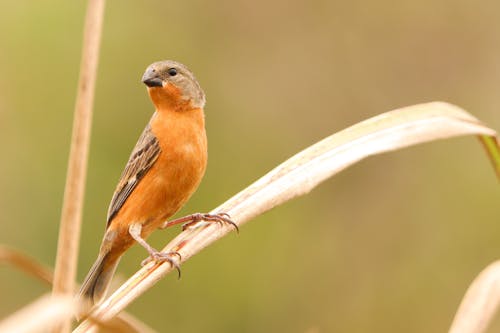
{"type": "Point", "coordinates": [172, 85]}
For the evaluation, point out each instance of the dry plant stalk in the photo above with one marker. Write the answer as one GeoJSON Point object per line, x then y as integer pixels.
{"type": "Point", "coordinates": [26, 264]}
{"type": "Point", "coordinates": [71, 216]}
{"type": "Point", "coordinates": [300, 174]}
{"type": "Point", "coordinates": [40, 315]}
{"type": "Point", "coordinates": [480, 302]}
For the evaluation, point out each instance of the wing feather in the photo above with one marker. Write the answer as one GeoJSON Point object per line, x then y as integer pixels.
{"type": "Point", "coordinates": [144, 155]}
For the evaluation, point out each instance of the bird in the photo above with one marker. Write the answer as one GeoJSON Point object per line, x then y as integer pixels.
{"type": "Point", "coordinates": [163, 171]}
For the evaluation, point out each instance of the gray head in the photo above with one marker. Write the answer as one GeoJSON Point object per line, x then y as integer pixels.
{"type": "Point", "coordinates": [175, 81]}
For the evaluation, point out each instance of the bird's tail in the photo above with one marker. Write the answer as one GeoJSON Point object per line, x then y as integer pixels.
{"type": "Point", "coordinates": [96, 283]}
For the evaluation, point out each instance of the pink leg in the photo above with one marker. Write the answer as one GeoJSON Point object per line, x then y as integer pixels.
{"type": "Point", "coordinates": [154, 255]}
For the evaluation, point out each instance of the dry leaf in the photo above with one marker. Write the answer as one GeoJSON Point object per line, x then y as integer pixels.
{"type": "Point", "coordinates": [480, 302]}
{"type": "Point", "coordinates": [301, 173]}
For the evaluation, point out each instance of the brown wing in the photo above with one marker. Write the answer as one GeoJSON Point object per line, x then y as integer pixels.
{"type": "Point", "coordinates": [143, 156]}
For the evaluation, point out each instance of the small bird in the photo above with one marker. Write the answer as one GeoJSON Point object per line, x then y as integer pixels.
{"type": "Point", "coordinates": [164, 169]}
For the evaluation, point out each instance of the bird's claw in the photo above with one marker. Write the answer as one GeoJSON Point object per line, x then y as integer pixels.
{"type": "Point", "coordinates": [219, 218]}
{"type": "Point", "coordinates": [160, 257]}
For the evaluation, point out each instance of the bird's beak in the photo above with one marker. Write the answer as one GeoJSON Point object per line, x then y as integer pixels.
{"type": "Point", "coordinates": [151, 79]}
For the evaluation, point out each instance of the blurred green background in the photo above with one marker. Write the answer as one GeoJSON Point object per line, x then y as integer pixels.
{"type": "Point", "coordinates": [389, 245]}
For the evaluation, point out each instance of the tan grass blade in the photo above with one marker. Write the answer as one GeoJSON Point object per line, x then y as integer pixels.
{"type": "Point", "coordinates": [40, 315]}
{"type": "Point", "coordinates": [26, 264]}
{"type": "Point", "coordinates": [480, 302]}
{"type": "Point", "coordinates": [71, 216]}
{"type": "Point", "coordinates": [300, 174]}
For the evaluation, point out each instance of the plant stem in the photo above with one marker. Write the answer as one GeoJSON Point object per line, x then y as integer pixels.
{"type": "Point", "coordinates": [71, 216]}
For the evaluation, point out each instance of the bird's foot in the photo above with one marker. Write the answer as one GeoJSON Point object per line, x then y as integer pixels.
{"type": "Point", "coordinates": [222, 218]}
{"type": "Point", "coordinates": [158, 257]}
{"type": "Point", "coordinates": [190, 220]}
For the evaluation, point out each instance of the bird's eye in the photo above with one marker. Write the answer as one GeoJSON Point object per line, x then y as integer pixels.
{"type": "Point", "coordinates": [172, 71]}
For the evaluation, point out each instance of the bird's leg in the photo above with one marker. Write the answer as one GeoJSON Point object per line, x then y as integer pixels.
{"type": "Point", "coordinates": [154, 255]}
{"type": "Point", "coordinates": [189, 220]}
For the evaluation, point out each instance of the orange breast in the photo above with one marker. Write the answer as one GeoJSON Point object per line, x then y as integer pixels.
{"type": "Point", "coordinates": [174, 176]}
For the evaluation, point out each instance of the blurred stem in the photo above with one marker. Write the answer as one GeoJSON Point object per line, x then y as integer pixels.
{"type": "Point", "coordinates": [71, 216]}
{"type": "Point", "coordinates": [39, 315]}
{"type": "Point", "coordinates": [26, 264]}
{"type": "Point", "coordinates": [125, 322]}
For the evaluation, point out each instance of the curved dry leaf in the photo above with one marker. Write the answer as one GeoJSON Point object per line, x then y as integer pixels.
{"type": "Point", "coordinates": [480, 302]}
{"type": "Point", "coordinates": [40, 315]}
{"type": "Point", "coordinates": [301, 173]}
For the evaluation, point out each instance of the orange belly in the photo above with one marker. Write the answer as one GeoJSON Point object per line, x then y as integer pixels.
{"type": "Point", "coordinates": [170, 182]}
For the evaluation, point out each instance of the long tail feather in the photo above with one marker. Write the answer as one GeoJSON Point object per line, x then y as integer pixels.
{"type": "Point", "coordinates": [96, 283]}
